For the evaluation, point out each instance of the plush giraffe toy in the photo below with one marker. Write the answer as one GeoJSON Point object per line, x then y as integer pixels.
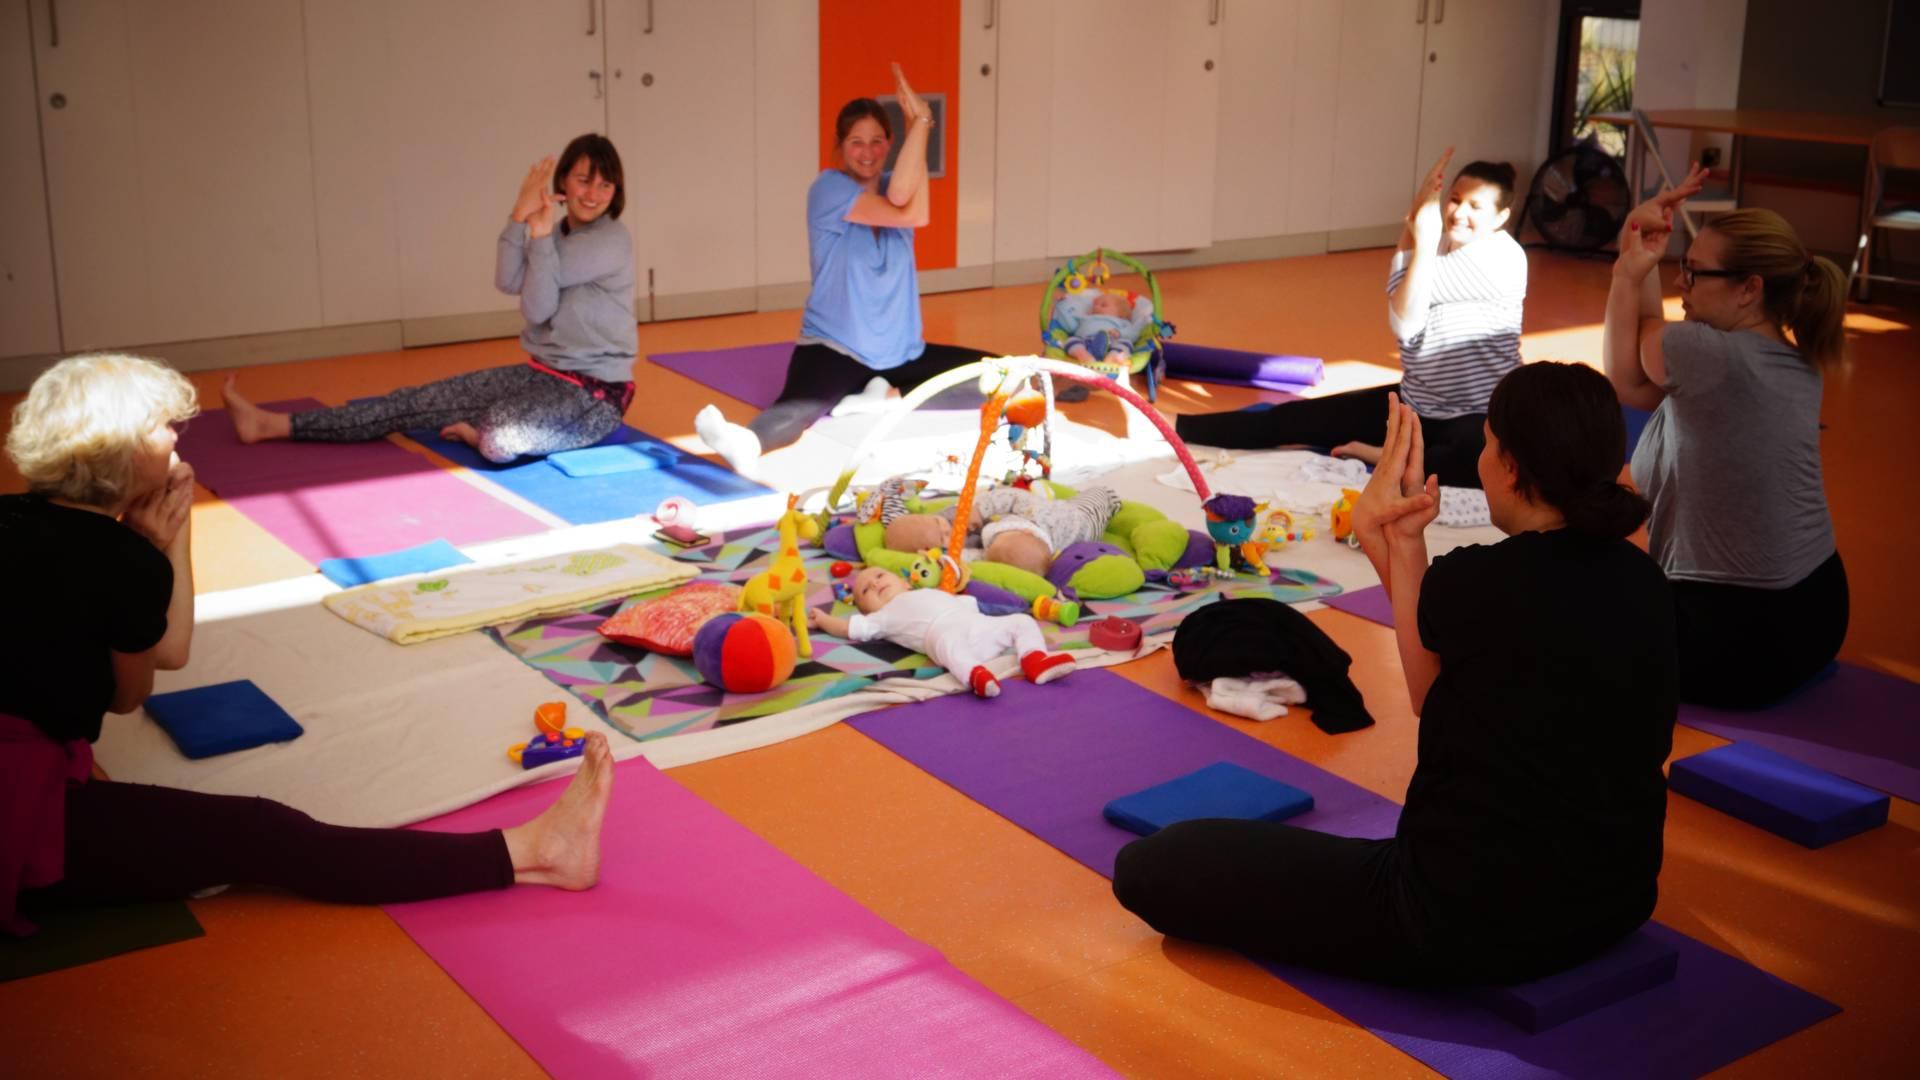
{"type": "Point", "coordinates": [781, 592]}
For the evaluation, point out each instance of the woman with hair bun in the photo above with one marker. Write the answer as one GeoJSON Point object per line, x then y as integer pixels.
{"type": "Point", "coordinates": [1542, 669]}
{"type": "Point", "coordinates": [1731, 456]}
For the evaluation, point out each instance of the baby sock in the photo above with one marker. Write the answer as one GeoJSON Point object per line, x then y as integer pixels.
{"type": "Point", "coordinates": [873, 399]}
{"type": "Point", "coordinates": [983, 683]}
{"type": "Point", "coordinates": [1041, 668]}
{"type": "Point", "coordinates": [739, 445]}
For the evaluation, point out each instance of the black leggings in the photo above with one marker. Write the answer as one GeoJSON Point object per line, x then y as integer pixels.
{"type": "Point", "coordinates": [818, 377]}
{"type": "Point", "coordinates": [1745, 648]}
{"type": "Point", "coordinates": [1276, 892]}
{"type": "Point", "coordinates": [129, 842]}
{"type": "Point", "coordinates": [1452, 445]}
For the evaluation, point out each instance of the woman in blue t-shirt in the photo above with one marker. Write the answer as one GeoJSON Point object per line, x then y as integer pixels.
{"type": "Point", "coordinates": [862, 322]}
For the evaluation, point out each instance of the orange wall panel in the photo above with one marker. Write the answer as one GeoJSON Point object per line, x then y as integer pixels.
{"type": "Point", "coordinates": [859, 39]}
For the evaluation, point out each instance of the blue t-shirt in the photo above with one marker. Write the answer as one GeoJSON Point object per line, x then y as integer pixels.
{"type": "Point", "coordinates": [866, 295]}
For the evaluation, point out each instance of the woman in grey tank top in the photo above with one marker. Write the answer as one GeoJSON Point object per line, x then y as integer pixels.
{"type": "Point", "coordinates": [1731, 457]}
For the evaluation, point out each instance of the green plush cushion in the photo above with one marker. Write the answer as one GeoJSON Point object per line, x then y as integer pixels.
{"type": "Point", "coordinates": [1025, 585]}
{"type": "Point", "coordinates": [1158, 545]}
{"type": "Point", "coordinates": [1107, 577]}
{"type": "Point", "coordinates": [1131, 516]}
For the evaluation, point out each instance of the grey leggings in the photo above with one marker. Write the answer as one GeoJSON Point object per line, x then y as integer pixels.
{"type": "Point", "coordinates": [516, 410]}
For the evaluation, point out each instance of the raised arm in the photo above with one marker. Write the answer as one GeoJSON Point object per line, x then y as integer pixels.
{"type": "Point", "coordinates": [1407, 299]}
{"type": "Point", "coordinates": [588, 256]}
{"type": "Point", "coordinates": [510, 253]}
{"type": "Point", "coordinates": [1390, 518]}
{"type": "Point", "coordinates": [905, 204]}
{"type": "Point", "coordinates": [1635, 316]}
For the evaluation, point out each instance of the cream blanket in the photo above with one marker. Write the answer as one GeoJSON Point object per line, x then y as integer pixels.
{"type": "Point", "coordinates": [427, 606]}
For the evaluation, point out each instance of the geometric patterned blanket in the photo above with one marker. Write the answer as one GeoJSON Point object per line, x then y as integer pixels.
{"type": "Point", "coordinates": [650, 695]}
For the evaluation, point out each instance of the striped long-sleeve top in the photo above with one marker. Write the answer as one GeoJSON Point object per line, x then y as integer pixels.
{"type": "Point", "coordinates": [1468, 337]}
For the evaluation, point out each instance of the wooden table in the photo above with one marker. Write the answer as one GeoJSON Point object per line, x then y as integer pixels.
{"type": "Point", "coordinates": [1742, 124]}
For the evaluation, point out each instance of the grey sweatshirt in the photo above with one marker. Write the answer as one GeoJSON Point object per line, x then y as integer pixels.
{"type": "Point", "coordinates": [576, 292]}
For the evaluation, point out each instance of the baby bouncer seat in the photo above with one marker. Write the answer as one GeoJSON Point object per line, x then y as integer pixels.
{"type": "Point", "coordinates": [1091, 271]}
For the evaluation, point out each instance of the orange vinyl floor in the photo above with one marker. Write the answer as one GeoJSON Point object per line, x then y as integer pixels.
{"type": "Point", "coordinates": [285, 987]}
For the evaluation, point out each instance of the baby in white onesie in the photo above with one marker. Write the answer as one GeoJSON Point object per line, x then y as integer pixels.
{"type": "Point", "coordinates": [947, 627]}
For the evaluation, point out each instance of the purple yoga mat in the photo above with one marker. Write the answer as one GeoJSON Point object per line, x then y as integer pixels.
{"type": "Point", "coordinates": [1268, 371]}
{"type": "Point", "coordinates": [752, 373]}
{"type": "Point", "coordinates": [1370, 603]}
{"type": "Point", "coordinates": [1048, 758]}
{"type": "Point", "coordinates": [1851, 722]}
{"type": "Point", "coordinates": [343, 500]}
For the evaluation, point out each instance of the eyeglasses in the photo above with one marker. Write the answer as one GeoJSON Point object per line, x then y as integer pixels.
{"type": "Point", "coordinates": [1689, 273]}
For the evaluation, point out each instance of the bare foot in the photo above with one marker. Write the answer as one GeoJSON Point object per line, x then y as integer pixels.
{"type": "Point", "coordinates": [1360, 451]}
{"type": "Point", "coordinates": [561, 847]}
{"type": "Point", "coordinates": [251, 422]}
{"type": "Point", "coordinates": [462, 432]}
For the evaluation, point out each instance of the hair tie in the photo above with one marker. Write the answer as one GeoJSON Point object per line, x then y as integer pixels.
{"type": "Point", "coordinates": [1807, 269]}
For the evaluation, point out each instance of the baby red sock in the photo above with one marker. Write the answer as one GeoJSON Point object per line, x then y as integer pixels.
{"type": "Point", "coordinates": [983, 683]}
{"type": "Point", "coordinates": [1041, 668]}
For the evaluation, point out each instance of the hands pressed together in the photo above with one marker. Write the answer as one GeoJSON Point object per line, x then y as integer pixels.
{"type": "Point", "coordinates": [1425, 220]}
{"type": "Point", "coordinates": [537, 205]}
{"type": "Point", "coordinates": [1400, 499]}
{"type": "Point", "coordinates": [912, 107]}
{"type": "Point", "coordinates": [1648, 229]}
{"type": "Point", "coordinates": [161, 515]}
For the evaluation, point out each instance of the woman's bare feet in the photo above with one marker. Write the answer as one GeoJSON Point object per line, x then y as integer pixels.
{"type": "Point", "coordinates": [561, 847]}
{"type": "Point", "coordinates": [251, 422]}
{"type": "Point", "coordinates": [461, 432]}
{"type": "Point", "coordinates": [1360, 451]}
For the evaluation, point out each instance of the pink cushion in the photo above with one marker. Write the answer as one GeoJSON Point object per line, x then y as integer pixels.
{"type": "Point", "coordinates": [667, 625]}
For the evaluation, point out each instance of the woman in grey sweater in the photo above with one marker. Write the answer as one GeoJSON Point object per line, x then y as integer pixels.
{"type": "Point", "coordinates": [1731, 456]}
{"type": "Point", "coordinates": [565, 254]}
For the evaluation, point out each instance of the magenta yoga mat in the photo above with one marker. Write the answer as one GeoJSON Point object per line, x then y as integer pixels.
{"type": "Point", "coordinates": [706, 952]}
{"type": "Point", "coordinates": [1849, 721]}
{"type": "Point", "coordinates": [1049, 758]}
{"type": "Point", "coordinates": [343, 500]}
{"type": "Point", "coordinates": [753, 373]}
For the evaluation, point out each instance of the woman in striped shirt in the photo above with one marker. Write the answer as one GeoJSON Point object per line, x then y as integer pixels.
{"type": "Point", "coordinates": [1455, 291]}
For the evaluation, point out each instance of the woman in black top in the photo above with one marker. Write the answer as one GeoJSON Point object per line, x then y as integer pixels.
{"type": "Point", "coordinates": [1543, 672]}
{"type": "Point", "coordinates": [99, 594]}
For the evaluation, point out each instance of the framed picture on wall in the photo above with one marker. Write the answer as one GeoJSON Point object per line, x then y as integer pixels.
{"type": "Point", "coordinates": [936, 146]}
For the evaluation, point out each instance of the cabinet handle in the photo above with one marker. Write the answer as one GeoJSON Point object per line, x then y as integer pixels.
{"type": "Point", "coordinates": [1420, 13]}
{"type": "Point", "coordinates": [1439, 12]}
{"type": "Point", "coordinates": [648, 29]}
{"type": "Point", "coordinates": [1214, 10]}
{"type": "Point", "coordinates": [53, 24]}
{"type": "Point", "coordinates": [993, 8]}
{"type": "Point", "coordinates": [593, 17]}
{"type": "Point", "coordinates": [599, 91]}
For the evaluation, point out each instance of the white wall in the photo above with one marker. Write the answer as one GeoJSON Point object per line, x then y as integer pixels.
{"type": "Point", "coordinates": [1689, 59]}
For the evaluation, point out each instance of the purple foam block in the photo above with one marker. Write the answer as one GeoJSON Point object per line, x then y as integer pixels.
{"type": "Point", "coordinates": [1641, 962]}
{"type": "Point", "coordinates": [1807, 806]}
{"type": "Point", "coordinates": [1371, 603]}
{"type": "Point", "coordinates": [1049, 758]}
{"type": "Point", "coordinates": [1267, 370]}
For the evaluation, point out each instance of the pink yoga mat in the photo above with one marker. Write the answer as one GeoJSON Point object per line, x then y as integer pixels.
{"type": "Point", "coordinates": [706, 952]}
{"type": "Point", "coordinates": [343, 500]}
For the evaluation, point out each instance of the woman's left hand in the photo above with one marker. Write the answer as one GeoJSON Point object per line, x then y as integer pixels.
{"type": "Point", "coordinates": [1419, 492]}
{"type": "Point", "coordinates": [1396, 491]}
{"type": "Point", "coordinates": [911, 105]}
{"type": "Point", "coordinates": [542, 221]}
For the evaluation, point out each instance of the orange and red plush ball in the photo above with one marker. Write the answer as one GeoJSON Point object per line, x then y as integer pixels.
{"type": "Point", "coordinates": [744, 654]}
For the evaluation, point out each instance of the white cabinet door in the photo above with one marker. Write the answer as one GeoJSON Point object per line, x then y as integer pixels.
{"type": "Point", "coordinates": [1134, 115]}
{"type": "Point", "coordinates": [178, 170]}
{"type": "Point", "coordinates": [29, 321]}
{"type": "Point", "coordinates": [1377, 111]}
{"type": "Point", "coordinates": [1274, 167]}
{"type": "Point", "coordinates": [681, 109]}
{"type": "Point", "coordinates": [975, 109]}
{"type": "Point", "coordinates": [1489, 71]}
{"type": "Point", "coordinates": [479, 91]}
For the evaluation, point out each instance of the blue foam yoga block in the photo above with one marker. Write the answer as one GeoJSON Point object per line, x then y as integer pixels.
{"type": "Point", "coordinates": [1221, 790]}
{"type": "Point", "coordinates": [419, 559]}
{"type": "Point", "coordinates": [222, 718]}
{"type": "Point", "coordinates": [615, 458]}
{"type": "Point", "coordinates": [1756, 785]}
{"type": "Point", "coordinates": [1641, 962]}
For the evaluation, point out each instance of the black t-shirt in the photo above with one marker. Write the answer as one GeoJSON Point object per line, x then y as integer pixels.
{"type": "Point", "coordinates": [81, 586]}
{"type": "Point", "coordinates": [1536, 810]}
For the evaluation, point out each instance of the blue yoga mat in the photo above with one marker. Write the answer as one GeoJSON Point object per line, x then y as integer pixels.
{"type": "Point", "coordinates": [583, 500]}
{"type": "Point", "coordinates": [420, 559]}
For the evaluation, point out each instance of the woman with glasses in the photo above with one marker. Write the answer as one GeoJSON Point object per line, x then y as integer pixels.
{"type": "Point", "coordinates": [1731, 457]}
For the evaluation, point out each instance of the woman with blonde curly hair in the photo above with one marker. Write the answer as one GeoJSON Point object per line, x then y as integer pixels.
{"type": "Point", "coordinates": [100, 554]}
{"type": "Point", "coordinates": [1731, 457]}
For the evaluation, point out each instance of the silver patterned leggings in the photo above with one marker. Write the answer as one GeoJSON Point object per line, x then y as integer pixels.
{"type": "Point", "coordinates": [517, 411]}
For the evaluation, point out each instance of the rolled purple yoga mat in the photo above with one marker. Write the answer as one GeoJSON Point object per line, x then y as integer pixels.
{"type": "Point", "coordinates": [1268, 371]}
